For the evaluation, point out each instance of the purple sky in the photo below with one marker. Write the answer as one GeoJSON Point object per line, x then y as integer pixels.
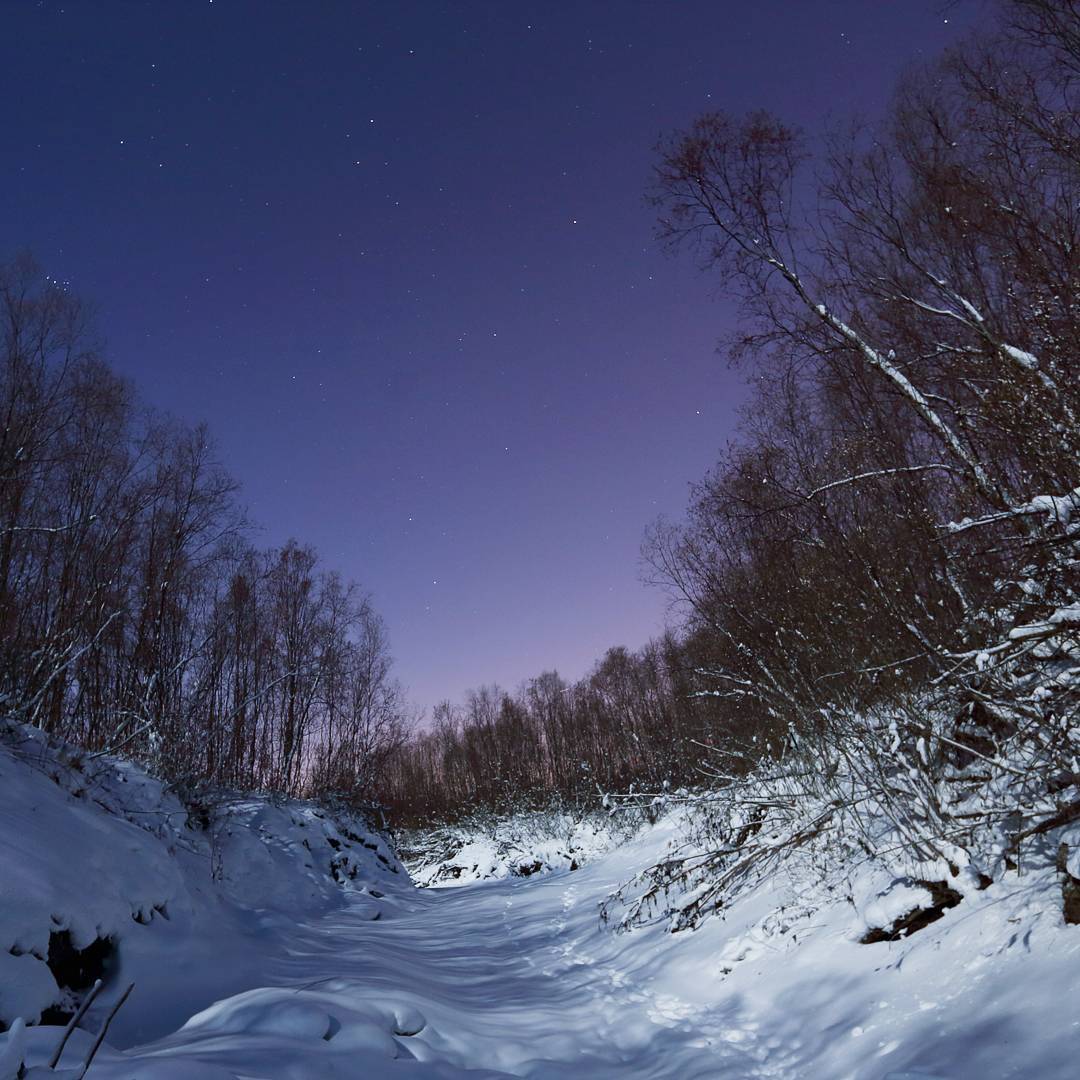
{"type": "Point", "coordinates": [397, 256]}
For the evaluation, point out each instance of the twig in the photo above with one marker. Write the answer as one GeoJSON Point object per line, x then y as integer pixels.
{"type": "Point", "coordinates": [101, 1034]}
{"type": "Point", "coordinates": [73, 1023]}
{"type": "Point", "coordinates": [120, 746]}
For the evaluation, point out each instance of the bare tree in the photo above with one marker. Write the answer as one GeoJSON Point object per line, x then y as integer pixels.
{"type": "Point", "coordinates": [134, 616]}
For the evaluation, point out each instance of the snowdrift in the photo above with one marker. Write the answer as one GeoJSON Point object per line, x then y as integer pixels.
{"type": "Point", "coordinates": [105, 874]}
{"type": "Point", "coordinates": [521, 845]}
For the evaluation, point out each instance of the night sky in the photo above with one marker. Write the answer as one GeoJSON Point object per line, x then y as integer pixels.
{"type": "Point", "coordinates": [397, 256]}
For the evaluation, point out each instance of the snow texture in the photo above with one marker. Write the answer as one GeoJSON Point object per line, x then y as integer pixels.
{"type": "Point", "coordinates": [99, 850]}
{"type": "Point", "coordinates": [519, 846]}
{"type": "Point", "coordinates": [511, 976]}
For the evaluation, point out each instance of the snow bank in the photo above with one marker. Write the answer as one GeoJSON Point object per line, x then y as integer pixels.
{"type": "Point", "coordinates": [105, 874]}
{"type": "Point", "coordinates": [523, 844]}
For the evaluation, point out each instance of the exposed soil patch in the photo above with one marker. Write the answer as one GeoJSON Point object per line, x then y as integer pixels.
{"type": "Point", "coordinates": [944, 896]}
{"type": "Point", "coordinates": [1070, 888]}
{"type": "Point", "coordinates": [75, 971]}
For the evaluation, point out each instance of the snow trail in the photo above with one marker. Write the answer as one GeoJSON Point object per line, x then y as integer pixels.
{"type": "Point", "coordinates": [517, 976]}
{"type": "Point", "coordinates": [502, 978]}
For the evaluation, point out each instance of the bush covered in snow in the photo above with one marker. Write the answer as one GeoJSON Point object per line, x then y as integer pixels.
{"type": "Point", "coordinates": [864, 801]}
{"type": "Point", "coordinates": [487, 845]}
{"type": "Point", "coordinates": [883, 573]}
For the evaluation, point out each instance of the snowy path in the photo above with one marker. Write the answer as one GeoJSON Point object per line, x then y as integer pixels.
{"type": "Point", "coordinates": [507, 977]}
{"type": "Point", "coordinates": [517, 978]}
{"type": "Point", "coordinates": [503, 978]}
{"type": "Point", "coordinates": [511, 977]}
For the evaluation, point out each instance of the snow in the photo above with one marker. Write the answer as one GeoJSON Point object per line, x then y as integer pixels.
{"type": "Point", "coordinates": [515, 976]}
{"type": "Point", "coordinates": [101, 850]}
{"type": "Point", "coordinates": [11, 1054]}
{"type": "Point", "coordinates": [891, 903]}
{"type": "Point", "coordinates": [1021, 356]}
{"type": "Point", "coordinates": [518, 846]}
{"type": "Point", "coordinates": [1057, 508]}
{"type": "Point", "coordinates": [1062, 617]}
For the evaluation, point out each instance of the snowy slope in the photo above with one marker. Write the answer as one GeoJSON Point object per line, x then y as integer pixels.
{"type": "Point", "coordinates": [517, 976]}
{"type": "Point", "coordinates": [102, 873]}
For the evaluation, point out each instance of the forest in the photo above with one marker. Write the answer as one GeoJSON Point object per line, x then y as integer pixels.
{"type": "Point", "coordinates": [879, 578]}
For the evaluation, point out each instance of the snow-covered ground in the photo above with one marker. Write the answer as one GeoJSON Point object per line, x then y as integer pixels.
{"type": "Point", "coordinates": [104, 872]}
{"type": "Point", "coordinates": [526, 843]}
{"type": "Point", "coordinates": [517, 976]}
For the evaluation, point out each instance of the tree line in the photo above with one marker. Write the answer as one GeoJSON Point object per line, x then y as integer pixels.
{"type": "Point", "coordinates": [136, 616]}
{"type": "Point", "coordinates": [635, 719]}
